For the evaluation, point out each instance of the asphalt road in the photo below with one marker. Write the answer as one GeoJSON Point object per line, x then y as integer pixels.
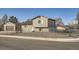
{"type": "Point", "coordinates": [21, 44]}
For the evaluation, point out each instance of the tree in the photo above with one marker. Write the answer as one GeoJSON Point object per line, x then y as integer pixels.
{"type": "Point", "coordinates": [77, 18]}
{"type": "Point", "coordinates": [4, 19]}
{"type": "Point", "coordinates": [59, 21]}
{"type": "Point", "coordinates": [13, 19]}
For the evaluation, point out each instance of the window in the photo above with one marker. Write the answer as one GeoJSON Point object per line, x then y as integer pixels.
{"type": "Point", "coordinates": [39, 21]}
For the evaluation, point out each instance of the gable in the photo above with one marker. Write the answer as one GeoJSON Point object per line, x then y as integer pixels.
{"type": "Point", "coordinates": [40, 22]}
{"type": "Point", "coordinates": [9, 24]}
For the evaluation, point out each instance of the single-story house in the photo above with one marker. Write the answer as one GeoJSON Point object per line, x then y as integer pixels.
{"type": "Point", "coordinates": [60, 27]}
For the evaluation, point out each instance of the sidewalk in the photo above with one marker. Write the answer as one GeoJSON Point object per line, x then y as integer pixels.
{"type": "Point", "coordinates": [41, 38]}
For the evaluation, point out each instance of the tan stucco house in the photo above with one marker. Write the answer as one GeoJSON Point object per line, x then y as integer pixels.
{"type": "Point", "coordinates": [39, 24]}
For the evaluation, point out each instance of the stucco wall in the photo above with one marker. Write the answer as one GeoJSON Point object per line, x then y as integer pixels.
{"type": "Point", "coordinates": [60, 28]}
{"type": "Point", "coordinates": [42, 30]}
{"type": "Point", "coordinates": [45, 30]}
{"type": "Point", "coordinates": [26, 28]}
{"type": "Point", "coordinates": [51, 23]}
{"type": "Point", "coordinates": [9, 24]}
{"type": "Point", "coordinates": [44, 22]}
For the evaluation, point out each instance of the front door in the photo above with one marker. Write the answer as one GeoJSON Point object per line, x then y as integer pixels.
{"type": "Point", "coordinates": [40, 29]}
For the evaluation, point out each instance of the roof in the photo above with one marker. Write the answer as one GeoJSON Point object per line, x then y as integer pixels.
{"type": "Point", "coordinates": [43, 16]}
{"type": "Point", "coordinates": [14, 23]}
{"type": "Point", "coordinates": [61, 25]}
{"type": "Point", "coordinates": [10, 22]}
{"type": "Point", "coordinates": [37, 17]}
{"type": "Point", "coordinates": [27, 23]}
{"type": "Point", "coordinates": [51, 19]}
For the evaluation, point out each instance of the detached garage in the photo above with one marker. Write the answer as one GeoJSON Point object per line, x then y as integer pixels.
{"type": "Point", "coordinates": [9, 26]}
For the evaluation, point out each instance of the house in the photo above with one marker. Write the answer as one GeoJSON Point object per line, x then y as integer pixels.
{"type": "Point", "coordinates": [36, 24]}
{"type": "Point", "coordinates": [10, 26]}
{"type": "Point", "coordinates": [39, 24]}
{"type": "Point", "coordinates": [60, 27]}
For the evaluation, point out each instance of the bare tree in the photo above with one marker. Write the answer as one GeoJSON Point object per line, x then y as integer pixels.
{"type": "Point", "coordinates": [77, 18]}
{"type": "Point", "coordinates": [4, 19]}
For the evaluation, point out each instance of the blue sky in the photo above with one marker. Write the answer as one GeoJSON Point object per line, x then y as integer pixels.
{"type": "Point", "coordinates": [67, 14]}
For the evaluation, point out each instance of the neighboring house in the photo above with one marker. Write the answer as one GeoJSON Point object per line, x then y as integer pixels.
{"type": "Point", "coordinates": [60, 27]}
{"type": "Point", "coordinates": [39, 24]}
{"type": "Point", "coordinates": [10, 26]}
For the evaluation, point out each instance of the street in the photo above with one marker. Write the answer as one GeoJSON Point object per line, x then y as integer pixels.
{"type": "Point", "coordinates": [21, 44]}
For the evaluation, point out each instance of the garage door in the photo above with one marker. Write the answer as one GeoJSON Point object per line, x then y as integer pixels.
{"type": "Point", "coordinates": [9, 28]}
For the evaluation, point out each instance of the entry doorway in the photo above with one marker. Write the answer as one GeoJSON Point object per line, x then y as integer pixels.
{"type": "Point", "coordinates": [40, 29]}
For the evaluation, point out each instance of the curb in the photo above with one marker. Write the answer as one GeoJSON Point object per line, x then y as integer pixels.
{"type": "Point", "coordinates": [40, 38]}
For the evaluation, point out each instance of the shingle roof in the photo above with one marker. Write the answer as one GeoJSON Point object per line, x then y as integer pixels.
{"type": "Point", "coordinates": [30, 22]}
{"type": "Point", "coordinates": [27, 23]}
{"type": "Point", "coordinates": [43, 16]}
{"type": "Point", "coordinates": [37, 17]}
{"type": "Point", "coordinates": [51, 19]}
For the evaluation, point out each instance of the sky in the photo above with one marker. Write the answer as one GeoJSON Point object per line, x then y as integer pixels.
{"type": "Point", "coordinates": [67, 14]}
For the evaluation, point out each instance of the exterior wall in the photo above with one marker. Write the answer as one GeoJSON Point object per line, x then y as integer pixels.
{"type": "Point", "coordinates": [51, 25]}
{"type": "Point", "coordinates": [44, 22]}
{"type": "Point", "coordinates": [26, 28]}
{"type": "Point", "coordinates": [36, 30]}
{"type": "Point", "coordinates": [42, 30]}
{"type": "Point", "coordinates": [18, 27]}
{"type": "Point", "coordinates": [60, 28]}
{"type": "Point", "coordinates": [45, 30]}
{"type": "Point", "coordinates": [9, 24]}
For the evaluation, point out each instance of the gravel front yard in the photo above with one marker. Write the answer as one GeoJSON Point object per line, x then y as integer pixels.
{"type": "Point", "coordinates": [43, 34]}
